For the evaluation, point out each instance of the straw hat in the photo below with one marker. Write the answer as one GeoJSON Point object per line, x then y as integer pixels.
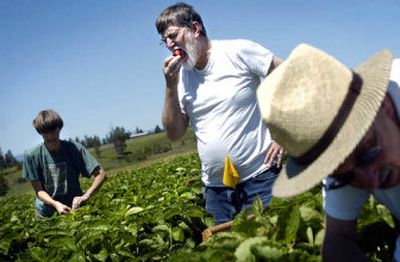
{"type": "Point", "coordinates": [319, 110]}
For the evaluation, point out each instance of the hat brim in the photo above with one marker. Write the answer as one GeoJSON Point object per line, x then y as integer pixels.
{"type": "Point", "coordinates": [295, 179]}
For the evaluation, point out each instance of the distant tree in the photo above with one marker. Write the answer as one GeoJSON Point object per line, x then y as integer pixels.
{"type": "Point", "coordinates": [9, 159]}
{"type": "Point", "coordinates": [97, 150]}
{"type": "Point", "coordinates": [3, 185]}
{"type": "Point", "coordinates": [138, 130]}
{"type": "Point", "coordinates": [119, 146]}
{"type": "Point", "coordinates": [2, 162]}
{"type": "Point", "coordinates": [91, 141]}
{"type": "Point", "coordinates": [117, 136]}
{"type": "Point", "coordinates": [117, 133]}
{"type": "Point", "coordinates": [3, 182]}
{"type": "Point", "coordinates": [157, 129]}
{"type": "Point", "coordinates": [77, 140]}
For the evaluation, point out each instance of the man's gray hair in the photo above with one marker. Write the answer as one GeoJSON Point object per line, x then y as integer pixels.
{"type": "Point", "coordinates": [179, 14]}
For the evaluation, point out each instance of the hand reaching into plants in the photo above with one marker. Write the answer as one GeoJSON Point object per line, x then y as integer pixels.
{"type": "Point", "coordinates": [61, 208]}
{"type": "Point", "coordinates": [78, 201]}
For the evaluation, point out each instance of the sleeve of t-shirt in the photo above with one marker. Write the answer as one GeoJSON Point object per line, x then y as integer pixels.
{"type": "Point", "coordinates": [30, 169]}
{"type": "Point", "coordinates": [256, 57]}
{"type": "Point", "coordinates": [395, 72]}
{"type": "Point", "coordinates": [344, 203]}
{"type": "Point", "coordinates": [89, 163]}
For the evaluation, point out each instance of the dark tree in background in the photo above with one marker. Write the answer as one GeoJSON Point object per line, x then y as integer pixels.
{"type": "Point", "coordinates": [118, 136]}
{"type": "Point", "coordinates": [3, 181]}
{"type": "Point", "coordinates": [91, 141]}
{"type": "Point", "coordinates": [8, 160]}
{"type": "Point", "coordinates": [157, 129]}
{"type": "Point", "coordinates": [2, 163]}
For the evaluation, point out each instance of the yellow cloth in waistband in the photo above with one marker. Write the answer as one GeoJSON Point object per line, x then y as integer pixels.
{"type": "Point", "coordinates": [231, 176]}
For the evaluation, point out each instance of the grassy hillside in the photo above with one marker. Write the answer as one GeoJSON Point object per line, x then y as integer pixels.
{"type": "Point", "coordinates": [140, 151]}
{"type": "Point", "coordinates": [144, 150]}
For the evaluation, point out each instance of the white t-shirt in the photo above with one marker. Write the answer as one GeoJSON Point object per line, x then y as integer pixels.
{"type": "Point", "coordinates": [345, 203]}
{"type": "Point", "coordinates": [220, 101]}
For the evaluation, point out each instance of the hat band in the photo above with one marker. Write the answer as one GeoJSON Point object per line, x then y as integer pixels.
{"type": "Point", "coordinates": [329, 135]}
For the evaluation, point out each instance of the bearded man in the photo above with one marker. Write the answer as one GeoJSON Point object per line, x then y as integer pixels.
{"type": "Point", "coordinates": [212, 85]}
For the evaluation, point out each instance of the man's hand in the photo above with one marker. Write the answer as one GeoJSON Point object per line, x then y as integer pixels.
{"type": "Point", "coordinates": [78, 201]}
{"type": "Point", "coordinates": [171, 70]}
{"type": "Point", "coordinates": [61, 208]}
{"type": "Point", "coordinates": [274, 152]}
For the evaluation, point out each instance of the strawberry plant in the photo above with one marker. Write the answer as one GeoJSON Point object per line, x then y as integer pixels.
{"type": "Point", "coordinates": [157, 213]}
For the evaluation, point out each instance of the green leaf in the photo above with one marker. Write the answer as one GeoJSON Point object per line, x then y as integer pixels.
{"type": "Point", "coordinates": [77, 257]}
{"type": "Point", "coordinates": [172, 211]}
{"type": "Point", "coordinates": [289, 222]}
{"type": "Point", "coordinates": [102, 255]}
{"type": "Point", "coordinates": [195, 212]}
{"type": "Point", "coordinates": [188, 195]}
{"type": "Point", "coordinates": [384, 213]}
{"type": "Point", "coordinates": [65, 243]}
{"type": "Point", "coordinates": [258, 207]}
{"type": "Point", "coordinates": [5, 246]}
{"type": "Point", "coordinates": [178, 234]}
{"type": "Point", "coordinates": [243, 252]}
{"type": "Point", "coordinates": [269, 253]}
{"type": "Point", "coordinates": [309, 214]}
{"type": "Point", "coordinates": [319, 238]}
{"type": "Point", "coordinates": [159, 228]}
{"type": "Point", "coordinates": [37, 253]}
{"type": "Point", "coordinates": [133, 210]}
{"type": "Point", "coordinates": [310, 235]}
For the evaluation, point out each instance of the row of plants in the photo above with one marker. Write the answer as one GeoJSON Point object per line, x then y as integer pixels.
{"type": "Point", "coordinates": [156, 213]}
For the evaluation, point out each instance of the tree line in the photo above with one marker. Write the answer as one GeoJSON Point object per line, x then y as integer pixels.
{"type": "Point", "coordinates": [8, 160]}
{"type": "Point", "coordinates": [116, 136]}
{"type": "Point", "coordinates": [116, 133]}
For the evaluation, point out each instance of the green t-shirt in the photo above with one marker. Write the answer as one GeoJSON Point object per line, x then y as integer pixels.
{"type": "Point", "coordinates": [58, 171]}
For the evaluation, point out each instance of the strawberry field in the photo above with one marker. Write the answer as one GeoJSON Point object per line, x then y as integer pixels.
{"type": "Point", "coordinates": [156, 213]}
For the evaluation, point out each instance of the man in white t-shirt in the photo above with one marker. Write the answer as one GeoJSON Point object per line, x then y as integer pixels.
{"type": "Point", "coordinates": [215, 91]}
{"type": "Point", "coordinates": [341, 127]}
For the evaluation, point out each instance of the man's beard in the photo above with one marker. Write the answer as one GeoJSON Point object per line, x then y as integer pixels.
{"type": "Point", "coordinates": [191, 51]}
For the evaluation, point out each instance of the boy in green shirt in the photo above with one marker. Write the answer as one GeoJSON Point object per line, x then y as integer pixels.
{"type": "Point", "coordinates": [54, 166]}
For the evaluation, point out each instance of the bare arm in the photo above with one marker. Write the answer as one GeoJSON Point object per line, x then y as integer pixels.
{"type": "Point", "coordinates": [340, 242]}
{"type": "Point", "coordinates": [174, 121]}
{"type": "Point", "coordinates": [47, 199]}
{"type": "Point", "coordinates": [274, 64]}
{"type": "Point", "coordinates": [99, 177]}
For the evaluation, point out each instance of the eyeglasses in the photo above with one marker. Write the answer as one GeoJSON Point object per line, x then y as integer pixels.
{"type": "Point", "coordinates": [171, 36]}
{"type": "Point", "coordinates": [365, 154]}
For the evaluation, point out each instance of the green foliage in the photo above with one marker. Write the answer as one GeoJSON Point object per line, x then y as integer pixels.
{"type": "Point", "coordinates": [3, 185]}
{"type": "Point", "coordinates": [288, 230]}
{"type": "Point", "coordinates": [157, 213]}
{"type": "Point", "coordinates": [140, 215]}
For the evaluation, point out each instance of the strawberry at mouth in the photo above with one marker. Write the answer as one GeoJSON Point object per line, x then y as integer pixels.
{"type": "Point", "coordinates": [180, 52]}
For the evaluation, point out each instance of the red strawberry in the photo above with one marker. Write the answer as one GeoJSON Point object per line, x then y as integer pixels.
{"type": "Point", "coordinates": [179, 52]}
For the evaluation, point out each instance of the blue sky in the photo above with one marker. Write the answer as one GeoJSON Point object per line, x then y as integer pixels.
{"type": "Point", "coordinates": [98, 63]}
